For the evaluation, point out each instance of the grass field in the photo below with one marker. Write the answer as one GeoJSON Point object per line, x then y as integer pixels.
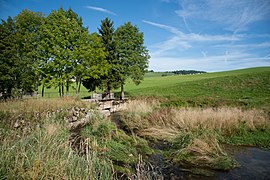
{"type": "Point", "coordinates": [246, 87]}
{"type": "Point", "coordinates": [241, 87]}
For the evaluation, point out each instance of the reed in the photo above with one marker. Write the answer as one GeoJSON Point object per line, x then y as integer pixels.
{"type": "Point", "coordinates": [149, 119]}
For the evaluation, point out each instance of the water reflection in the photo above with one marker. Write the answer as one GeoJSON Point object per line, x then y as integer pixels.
{"type": "Point", "coordinates": [254, 164]}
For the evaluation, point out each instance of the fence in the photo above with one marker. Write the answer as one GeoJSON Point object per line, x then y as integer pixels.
{"type": "Point", "coordinates": [83, 94]}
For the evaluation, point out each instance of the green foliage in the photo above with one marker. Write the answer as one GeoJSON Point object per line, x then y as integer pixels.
{"type": "Point", "coordinates": [9, 69]}
{"type": "Point", "coordinates": [92, 65]}
{"type": "Point", "coordinates": [27, 37]}
{"type": "Point", "coordinates": [131, 53]}
{"type": "Point", "coordinates": [106, 31]}
{"type": "Point", "coordinates": [200, 149]}
{"type": "Point", "coordinates": [126, 54]}
{"type": "Point", "coordinates": [69, 51]}
{"type": "Point", "coordinates": [123, 153]}
{"type": "Point", "coordinates": [19, 39]}
{"type": "Point", "coordinates": [101, 130]}
{"type": "Point", "coordinates": [57, 50]}
{"type": "Point", "coordinates": [61, 31]}
{"type": "Point", "coordinates": [182, 140]}
{"type": "Point", "coordinates": [258, 137]}
{"type": "Point", "coordinates": [124, 150]}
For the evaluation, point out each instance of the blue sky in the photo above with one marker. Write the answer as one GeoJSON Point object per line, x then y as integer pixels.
{"type": "Point", "coordinates": [209, 35]}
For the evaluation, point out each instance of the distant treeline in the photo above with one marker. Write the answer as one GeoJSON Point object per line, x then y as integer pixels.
{"type": "Point", "coordinates": [185, 72]}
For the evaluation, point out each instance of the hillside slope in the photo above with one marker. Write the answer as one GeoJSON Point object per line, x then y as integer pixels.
{"type": "Point", "coordinates": [248, 87]}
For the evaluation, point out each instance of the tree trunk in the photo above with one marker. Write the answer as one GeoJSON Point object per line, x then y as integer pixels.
{"type": "Point", "coordinates": [122, 92]}
{"type": "Point", "coordinates": [78, 81]}
{"type": "Point", "coordinates": [67, 88]}
{"type": "Point", "coordinates": [42, 91]}
{"type": "Point", "coordinates": [63, 90]}
{"type": "Point", "coordinates": [60, 94]}
{"type": "Point", "coordinates": [37, 82]}
{"type": "Point", "coordinates": [108, 93]}
{"type": "Point", "coordinates": [79, 88]}
{"type": "Point", "coordinates": [9, 95]}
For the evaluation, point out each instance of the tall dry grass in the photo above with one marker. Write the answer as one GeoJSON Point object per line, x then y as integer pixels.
{"type": "Point", "coordinates": [22, 116]}
{"type": "Point", "coordinates": [40, 105]}
{"type": "Point", "coordinates": [225, 119]}
{"type": "Point", "coordinates": [45, 151]}
{"type": "Point", "coordinates": [141, 106]}
{"type": "Point", "coordinates": [46, 154]}
{"type": "Point", "coordinates": [160, 122]}
{"type": "Point", "coordinates": [194, 133]}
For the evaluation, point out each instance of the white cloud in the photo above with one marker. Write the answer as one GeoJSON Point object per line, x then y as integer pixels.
{"type": "Point", "coordinates": [194, 36]}
{"type": "Point", "coordinates": [174, 43]}
{"type": "Point", "coordinates": [165, 27]}
{"type": "Point", "coordinates": [232, 15]}
{"type": "Point", "coordinates": [244, 46]}
{"type": "Point", "coordinates": [212, 49]}
{"type": "Point", "coordinates": [221, 62]}
{"type": "Point", "coordinates": [101, 10]}
{"type": "Point", "coordinates": [182, 41]}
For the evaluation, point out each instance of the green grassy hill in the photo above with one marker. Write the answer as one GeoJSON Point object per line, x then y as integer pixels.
{"type": "Point", "coordinates": [248, 87]}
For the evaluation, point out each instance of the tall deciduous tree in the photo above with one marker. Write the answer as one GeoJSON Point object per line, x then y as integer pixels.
{"type": "Point", "coordinates": [9, 70]}
{"type": "Point", "coordinates": [131, 53]}
{"type": "Point", "coordinates": [27, 38]}
{"type": "Point", "coordinates": [90, 60]}
{"type": "Point", "coordinates": [18, 52]}
{"type": "Point", "coordinates": [61, 32]}
{"type": "Point", "coordinates": [69, 51]}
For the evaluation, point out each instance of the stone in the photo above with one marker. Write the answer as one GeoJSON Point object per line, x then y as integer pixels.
{"type": "Point", "coordinates": [73, 119]}
{"type": "Point", "coordinates": [82, 109]}
{"type": "Point", "coordinates": [16, 125]}
{"type": "Point", "coordinates": [105, 113]}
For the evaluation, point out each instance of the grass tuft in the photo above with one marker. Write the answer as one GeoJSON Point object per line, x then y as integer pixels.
{"type": "Point", "coordinates": [45, 151]}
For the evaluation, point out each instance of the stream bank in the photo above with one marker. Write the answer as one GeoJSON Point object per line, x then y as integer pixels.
{"type": "Point", "coordinates": [254, 163]}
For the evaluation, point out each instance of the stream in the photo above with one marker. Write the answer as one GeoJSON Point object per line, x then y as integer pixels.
{"type": "Point", "coordinates": [254, 164]}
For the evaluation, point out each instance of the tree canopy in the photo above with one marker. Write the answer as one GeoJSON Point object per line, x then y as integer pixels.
{"type": "Point", "coordinates": [58, 51]}
{"type": "Point", "coordinates": [19, 39]}
{"type": "Point", "coordinates": [131, 53]}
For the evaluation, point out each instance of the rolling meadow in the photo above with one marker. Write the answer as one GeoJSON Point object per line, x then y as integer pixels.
{"type": "Point", "coordinates": [172, 121]}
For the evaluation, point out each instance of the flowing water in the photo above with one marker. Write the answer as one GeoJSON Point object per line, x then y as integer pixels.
{"type": "Point", "coordinates": [254, 164]}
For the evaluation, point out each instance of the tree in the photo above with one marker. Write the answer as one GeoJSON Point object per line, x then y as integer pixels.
{"type": "Point", "coordinates": [91, 62]}
{"type": "Point", "coordinates": [44, 57]}
{"type": "Point", "coordinates": [69, 52]}
{"type": "Point", "coordinates": [9, 71]}
{"type": "Point", "coordinates": [106, 32]}
{"type": "Point", "coordinates": [131, 53]}
{"type": "Point", "coordinates": [18, 52]}
{"type": "Point", "coordinates": [61, 32]}
{"type": "Point", "coordinates": [27, 25]}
